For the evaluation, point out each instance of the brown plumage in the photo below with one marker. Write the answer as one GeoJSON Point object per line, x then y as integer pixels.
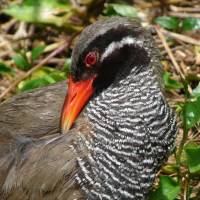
{"type": "Point", "coordinates": [31, 164]}
{"type": "Point", "coordinates": [29, 113]}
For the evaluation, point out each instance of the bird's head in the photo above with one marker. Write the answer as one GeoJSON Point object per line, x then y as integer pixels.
{"type": "Point", "coordinates": [103, 50]}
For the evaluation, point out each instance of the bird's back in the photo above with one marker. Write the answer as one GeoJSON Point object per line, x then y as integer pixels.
{"type": "Point", "coordinates": [36, 162]}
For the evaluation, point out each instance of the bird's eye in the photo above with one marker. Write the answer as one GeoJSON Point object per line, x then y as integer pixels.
{"type": "Point", "coordinates": [91, 59]}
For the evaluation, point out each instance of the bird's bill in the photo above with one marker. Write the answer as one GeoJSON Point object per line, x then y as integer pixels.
{"type": "Point", "coordinates": [77, 96]}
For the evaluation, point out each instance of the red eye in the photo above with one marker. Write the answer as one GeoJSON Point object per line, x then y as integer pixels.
{"type": "Point", "coordinates": [91, 59]}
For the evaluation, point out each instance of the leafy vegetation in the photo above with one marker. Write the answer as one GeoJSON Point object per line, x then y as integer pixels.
{"type": "Point", "coordinates": [4, 68]}
{"type": "Point", "coordinates": [53, 12]}
{"type": "Point", "coordinates": [168, 189]}
{"type": "Point", "coordinates": [33, 31]}
{"type": "Point", "coordinates": [175, 23]}
{"type": "Point", "coordinates": [171, 23]}
{"type": "Point", "coordinates": [112, 9]}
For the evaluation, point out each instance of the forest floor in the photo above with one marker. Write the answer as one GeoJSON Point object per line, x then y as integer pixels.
{"type": "Point", "coordinates": [36, 40]}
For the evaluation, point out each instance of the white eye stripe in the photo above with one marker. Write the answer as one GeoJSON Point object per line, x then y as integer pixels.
{"type": "Point", "coordinates": [119, 44]}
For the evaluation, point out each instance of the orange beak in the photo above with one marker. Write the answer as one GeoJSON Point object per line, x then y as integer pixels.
{"type": "Point", "coordinates": [78, 95]}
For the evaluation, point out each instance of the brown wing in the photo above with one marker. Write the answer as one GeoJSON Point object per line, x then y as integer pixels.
{"type": "Point", "coordinates": [41, 168]}
{"type": "Point", "coordinates": [33, 113]}
{"type": "Point", "coordinates": [35, 161]}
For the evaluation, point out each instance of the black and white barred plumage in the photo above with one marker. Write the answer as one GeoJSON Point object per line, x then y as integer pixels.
{"type": "Point", "coordinates": [133, 128]}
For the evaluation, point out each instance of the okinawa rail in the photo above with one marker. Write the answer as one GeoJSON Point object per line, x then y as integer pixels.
{"type": "Point", "coordinates": [117, 128]}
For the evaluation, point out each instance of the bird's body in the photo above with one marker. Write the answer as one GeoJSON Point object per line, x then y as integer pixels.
{"type": "Point", "coordinates": [120, 140]}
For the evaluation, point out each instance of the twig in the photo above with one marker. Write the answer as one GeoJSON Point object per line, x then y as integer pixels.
{"type": "Point", "coordinates": [173, 1]}
{"type": "Point", "coordinates": [171, 56]}
{"type": "Point", "coordinates": [178, 36]}
{"type": "Point", "coordinates": [7, 26]}
{"type": "Point", "coordinates": [183, 67]}
{"type": "Point", "coordinates": [184, 9]}
{"type": "Point", "coordinates": [184, 15]}
{"type": "Point", "coordinates": [80, 8]}
{"type": "Point", "coordinates": [65, 45]}
{"type": "Point", "coordinates": [154, 4]}
{"type": "Point", "coordinates": [21, 31]}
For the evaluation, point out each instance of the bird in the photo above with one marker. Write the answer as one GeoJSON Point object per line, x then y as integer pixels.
{"type": "Point", "coordinates": [116, 127]}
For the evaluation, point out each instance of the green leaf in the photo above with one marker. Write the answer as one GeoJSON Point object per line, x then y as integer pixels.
{"type": "Point", "coordinates": [5, 68]}
{"type": "Point", "coordinates": [42, 77]}
{"type": "Point", "coordinates": [193, 158]}
{"type": "Point", "coordinates": [191, 113]}
{"type": "Point", "coordinates": [30, 84]}
{"type": "Point", "coordinates": [171, 84]}
{"type": "Point", "coordinates": [67, 66]}
{"type": "Point", "coordinates": [21, 62]}
{"type": "Point", "coordinates": [58, 76]}
{"type": "Point", "coordinates": [37, 51]}
{"type": "Point", "coordinates": [171, 23]}
{"type": "Point", "coordinates": [43, 11]}
{"type": "Point", "coordinates": [196, 91]}
{"type": "Point", "coordinates": [170, 168]}
{"type": "Point", "coordinates": [168, 189]}
{"type": "Point", "coordinates": [120, 9]}
{"type": "Point", "coordinates": [191, 24]}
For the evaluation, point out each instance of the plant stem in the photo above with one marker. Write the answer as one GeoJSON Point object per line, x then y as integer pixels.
{"type": "Point", "coordinates": [181, 146]}
{"type": "Point", "coordinates": [184, 183]}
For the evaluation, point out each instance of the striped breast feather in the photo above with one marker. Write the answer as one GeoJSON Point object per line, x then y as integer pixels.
{"type": "Point", "coordinates": [133, 134]}
{"type": "Point", "coordinates": [126, 154]}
